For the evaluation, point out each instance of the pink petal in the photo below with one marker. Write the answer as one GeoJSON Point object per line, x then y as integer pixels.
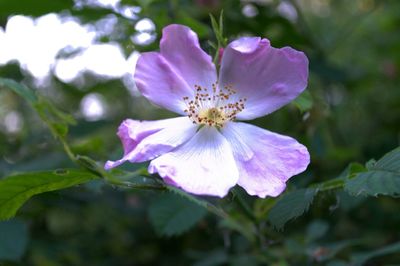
{"type": "Point", "coordinates": [268, 77]}
{"type": "Point", "coordinates": [204, 165]}
{"type": "Point", "coordinates": [159, 83]}
{"type": "Point", "coordinates": [165, 78]}
{"type": "Point", "coordinates": [143, 141]}
{"type": "Point", "coordinates": [265, 160]}
{"type": "Point", "coordinates": [180, 46]}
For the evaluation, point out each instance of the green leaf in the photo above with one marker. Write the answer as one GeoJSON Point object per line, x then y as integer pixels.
{"type": "Point", "coordinates": [389, 162]}
{"type": "Point", "coordinates": [13, 239]}
{"type": "Point", "coordinates": [22, 90]}
{"type": "Point", "coordinates": [16, 190]}
{"type": "Point", "coordinates": [216, 29]}
{"type": "Point", "coordinates": [316, 230]}
{"type": "Point", "coordinates": [382, 177]}
{"type": "Point", "coordinates": [213, 258]}
{"type": "Point", "coordinates": [362, 258]}
{"type": "Point", "coordinates": [304, 102]}
{"type": "Point", "coordinates": [171, 214]}
{"type": "Point", "coordinates": [227, 221]}
{"type": "Point", "coordinates": [328, 251]}
{"type": "Point", "coordinates": [55, 119]}
{"type": "Point", "coordinates": [33, 7]}
{"type": "Point", "coordinates": [290, 206]}
{"type": "Point", "coordinates": [221, 23]}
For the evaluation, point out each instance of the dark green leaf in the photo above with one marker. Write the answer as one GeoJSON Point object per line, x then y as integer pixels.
{"type": "Point", "coordinates": [290, 206]}
{"type": "Point", "coordinates": [389, 162]}
{"type": "Point", "coordinates": [32, 7]}
{"type": "Point", "coordinates": [362, 258]}
{"type": "Point", "coordinates": [213, 258]}
{"type": "Point", "coordinates": [374, 183]}
{"type": "Point", "coordinates": [172, 215]}
{"type": "Point", "coordinates": [382, 178]}
{"type": "Point", "coordinates": [13, 239]}
{"type": "Point", "coordinates": [16, 190]}
{"type": "Point", "coordinates": [316, 230]}
{"type": "Point", "coordinates": [328, 251]}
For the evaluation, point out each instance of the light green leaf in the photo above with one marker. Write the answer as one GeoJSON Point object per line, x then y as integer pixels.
{"type": "Point", "coordinates": [13, 239]}
{"type": "Point", "coordinates": [304, 102]}
{"type": "Point", "coordinates": [25, 92]}
{"type": "Point", "coordinates": [382, 178]}
{"type": "Point", "coordinates": [171, 214]}
{"type": "Point", "coordinates": [216, 29]}
{"type": "Point", "coordinates": [290, 206]}
{"type": "Point", "coordinates": [16, 190]}
{"type": "Point", "coordinates": [55, 119]}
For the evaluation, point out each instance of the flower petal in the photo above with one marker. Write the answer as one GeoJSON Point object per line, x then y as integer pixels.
{"type": "Point", "coordinates": [180, 46]}
{"type": "Point", "coordinates": [268, 77]}
{"type": "Point", "coordinates": [165, 78]}
{"type": "Point", "coordinates": [145, 140]}
{"type": "Point", "coordinates": [265, 160]}
{"type": "Point", "coordinates": [156, 79]}
{"type": "Point", "coordinates": [204, 165]}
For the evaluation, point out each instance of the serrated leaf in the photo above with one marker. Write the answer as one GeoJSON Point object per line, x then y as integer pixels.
{"type": "Point", "coordinates": [351, 169]}
{"type": "Point", "coordinates": [382, 178]}
{"type": "Point", "coordinates": [389, 162]}
{"type": "Point", "coordinates": [13, 239]}
{"type": "Point", "coordinates": [290, 206]}
{"type": "Point", "coordinates": [17, 189]}
{"type": "Point", "coordinates": [374, 183]}
{"type": "Point", "coordinates": [171, 214]}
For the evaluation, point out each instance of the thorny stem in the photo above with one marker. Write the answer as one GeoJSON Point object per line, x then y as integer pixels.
{"type": "Point", "coordinates": [93, 167]}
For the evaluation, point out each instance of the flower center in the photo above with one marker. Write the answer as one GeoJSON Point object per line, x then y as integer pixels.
{"type": "Point", "coordinates": [213, 108]}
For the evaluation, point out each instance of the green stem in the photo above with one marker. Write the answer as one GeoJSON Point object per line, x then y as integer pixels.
{"type": "Point", "coordinates": [113, 181]}
{"type": "Point", "coordinates": [244, 206]}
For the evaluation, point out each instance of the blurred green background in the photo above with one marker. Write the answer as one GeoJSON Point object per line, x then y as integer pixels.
{"type": "Point", "coordinates": [81, 55]}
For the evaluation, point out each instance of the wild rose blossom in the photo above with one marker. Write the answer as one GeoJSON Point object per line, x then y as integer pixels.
{"type": "Point", "coordinates": [205, 151]}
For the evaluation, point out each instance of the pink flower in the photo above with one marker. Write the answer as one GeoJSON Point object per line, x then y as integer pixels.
{"type": "Point", "coordinates": [205, 151]}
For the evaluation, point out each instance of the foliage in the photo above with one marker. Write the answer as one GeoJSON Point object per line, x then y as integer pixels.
{"type": "Point", "coordinates": [290, 206]}
{"type": "Point", "coordinates": [16, 189]}
{"type": "Point", "coordinates": [13, 239]}
{"type": "Point", "coordinates": [382, 177]}
{"type": "Point", "coordinates": [171, 214]}
{"type": "Point", "coordinates": [84, 215]}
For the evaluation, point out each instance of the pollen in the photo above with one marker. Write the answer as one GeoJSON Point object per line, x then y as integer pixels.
{"type": "Point", "coordinates": [213, 107]}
